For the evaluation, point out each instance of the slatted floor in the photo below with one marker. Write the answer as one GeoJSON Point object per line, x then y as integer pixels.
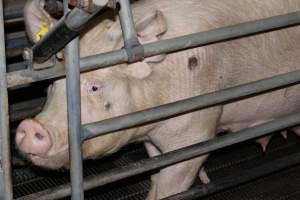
{"type": "Point", "coordinates": [283, 185]}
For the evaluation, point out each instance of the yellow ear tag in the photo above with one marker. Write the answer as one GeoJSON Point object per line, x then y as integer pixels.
{"type": "Point", "coordinates": [44, 30]}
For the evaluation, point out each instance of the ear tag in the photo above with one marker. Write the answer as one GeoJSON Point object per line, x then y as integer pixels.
{"type": "Point", "coordinates": [43, 31]}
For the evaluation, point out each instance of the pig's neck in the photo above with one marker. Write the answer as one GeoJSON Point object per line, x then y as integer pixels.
{"type": "Point", "coordinates": [147, 93]}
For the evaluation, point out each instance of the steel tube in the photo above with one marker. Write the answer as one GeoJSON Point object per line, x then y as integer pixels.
{"type": "Point", "coordinates": [74, 115]}
{"type": "Point", "coordinates": [172, 157]}
{"type": "Point", "coordinates": [164, 46]}
{"type": "Point", "coordinates": [188, 105]}
{"type": "Point", "coordinates": [5, 165]}
{"type": "Point", "coordinates": [127, 24]}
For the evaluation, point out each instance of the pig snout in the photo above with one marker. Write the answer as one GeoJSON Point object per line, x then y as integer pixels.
{"type": "Point", "coordinates": [33, 139]}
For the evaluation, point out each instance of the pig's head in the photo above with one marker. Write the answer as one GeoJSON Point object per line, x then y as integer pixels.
{"type": "Point", "coordinates": [44, 139]}
{"type": "Point", "coordinates": [105, 93]}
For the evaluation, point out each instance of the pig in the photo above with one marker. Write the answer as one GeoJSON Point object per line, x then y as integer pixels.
{"type": "Point", "coordinates": [157, 80]}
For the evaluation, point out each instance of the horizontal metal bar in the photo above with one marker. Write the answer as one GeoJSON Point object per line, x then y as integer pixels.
{"type": "Point", "coordinates": [164, 46]}
{"type": "Point", "coordinates": [188, 105]}
{"type": "Point", "coordinates": [13, 9]}
{"type": "Point", "coordinates": [240, 177]}
{"type": "Point", "coordinates": [171, 157]}
{"type": "Point", "coordinates": [22, 110]}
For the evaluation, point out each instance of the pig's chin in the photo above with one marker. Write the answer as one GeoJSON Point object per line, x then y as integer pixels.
{"type": "Point", "coordinates": [52, 160]}
{"type": "Point", "coordinates": [60, 160]}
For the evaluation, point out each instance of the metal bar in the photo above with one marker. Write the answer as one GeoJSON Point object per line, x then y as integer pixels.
{"type": "Point", "coordinates": [25, 109]}
{"type": "Point", "coordinates": [13, 9]}
{"type": "Point", "coordinates": [240, 177]}
{"type": "Point", "coordinates": [188, 105]}
{"type": "Point", "coordinates": [164, 46]}
{"type": "Point", "coordinates": [5, 165]}
{"type": "Point", "coordinates": [74, 114]}
{"type": "Point", "coordinates": [171, 157]}
{"type": "Point", "coordinates": [134, 50]}
{"type": "Point", "coordinates": [127, 24]}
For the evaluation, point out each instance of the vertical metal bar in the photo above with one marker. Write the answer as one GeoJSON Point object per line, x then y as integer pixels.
{"type": "Point", "coordinates": [127, 24]}
{"type": "Point", "coordinates": [5, 165]}
{"type": "Point", "coordinates": [74, 114]}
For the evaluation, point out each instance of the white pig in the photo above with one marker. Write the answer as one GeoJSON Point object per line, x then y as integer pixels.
{"type": "Point", "coordinates": [167, 78]}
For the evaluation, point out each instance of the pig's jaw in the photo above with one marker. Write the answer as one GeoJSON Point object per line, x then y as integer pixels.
{"type": "Point", "coordinates": [58, 160]}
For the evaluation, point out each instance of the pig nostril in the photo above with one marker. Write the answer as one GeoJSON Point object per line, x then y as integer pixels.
{"type": "Point", "coordinates": [23, 132]}
{"type": "Point", "coordinates": [33, 155]}
{"type": "Point", "coordinates": [39, 136]}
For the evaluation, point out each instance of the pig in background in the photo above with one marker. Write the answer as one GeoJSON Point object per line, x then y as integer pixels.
{"type": "Point", "coordinates": [162, 79]}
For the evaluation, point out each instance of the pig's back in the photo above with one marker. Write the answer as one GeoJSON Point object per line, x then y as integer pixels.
{"type": "Point", "coordinates": [235, 62]}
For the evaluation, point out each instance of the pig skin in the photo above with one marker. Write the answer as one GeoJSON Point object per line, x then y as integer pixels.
{"type": "Point", "coordinates": [167, 78]}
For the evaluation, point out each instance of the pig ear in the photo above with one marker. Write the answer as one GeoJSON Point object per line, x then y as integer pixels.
{"type": "Point", "coordinates": [152, 25]}
{"type": "Point", "coordinates": [150, 28]}
{"type": "Point", "coordinates": [37, 20]}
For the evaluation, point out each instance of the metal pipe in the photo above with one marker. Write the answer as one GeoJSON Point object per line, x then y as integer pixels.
{"type": "Point", "coordinates": [239, 178]}
{"type": "Point", "coordinates": [127, 24]}
{"type": "Point", "coordinates": [5, 165]}
{"type": "Point", "coordinates": [25, 109]}
{"type": "Point", "coordinates": [132, 46]}
{"type": "Point", "coordinates": [74, 115]}
{"type": "Point", "coordinates": [171, 158]}
{"type": "Point", "coordinates": [165, 46]}
{"type": "Point", "coordinates": [188, 105]}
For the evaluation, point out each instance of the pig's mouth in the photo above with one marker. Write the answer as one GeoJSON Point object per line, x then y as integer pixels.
{"type": "Point", "coordinates": [50, 161]}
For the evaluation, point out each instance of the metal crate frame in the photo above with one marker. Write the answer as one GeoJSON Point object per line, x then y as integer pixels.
{"type": "Point", "coordinates": [78, 133]}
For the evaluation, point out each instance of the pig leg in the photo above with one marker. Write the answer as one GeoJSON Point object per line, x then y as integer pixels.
{"type": "Point", "coordinates": [297, 130]}
{"type": "Point", "coordinates": [178, 178]}
{"type": "Point", "coordinates": [203, 176]}
{"type": "Point", "coordinates": [284, 134]}
{"type": "Point", "coordinates": [263, 141]}
{"type": "Point", "coordinates": [152, 151]}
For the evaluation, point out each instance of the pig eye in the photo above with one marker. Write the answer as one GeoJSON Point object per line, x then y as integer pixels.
{"type": "Point", "coordinates": [94, 88]}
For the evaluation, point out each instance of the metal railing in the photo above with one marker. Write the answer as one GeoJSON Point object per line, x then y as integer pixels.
{"type": "Point", "coordinates": [5, 165]}
{"type": "Point", "coordinates": [130, 53]}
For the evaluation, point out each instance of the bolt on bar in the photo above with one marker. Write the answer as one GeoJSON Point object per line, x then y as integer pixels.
{"type": "Point", "coordinates": [74, 114]}
{"type": "Point", "coordinates": [5, 165]}
{"type": "Point", "coordinates": [164, 46]}
{"type": "Point", "coordinates": [171, 158]}
{"type": "Point", "coordinates": [188, 105]}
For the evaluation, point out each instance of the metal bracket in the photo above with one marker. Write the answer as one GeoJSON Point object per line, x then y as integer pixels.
{"type": "Point", "coordinates": [135, 53]}
{"type": "Point", "coordinates": [91, 5]}
{"type": "Point", "coordinates": [28, 57]}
